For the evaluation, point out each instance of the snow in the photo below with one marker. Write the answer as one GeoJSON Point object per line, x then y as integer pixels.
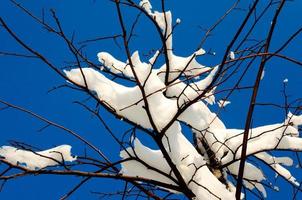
{"type": "Point", "coordinates": [151, 157]}
{"type": "Point", "coordinates": [146, 5]}
{"type": "Point", "coordinates": [269, 137]}
{"type": "Point", "coordinates": [188, 65]}
{"type": "Point", "coordinates": [223, 103]}
{"type": "Point", "coordinates": [276, 188]}
{"type": "Point", "coordinates": [183, 154]}
{"type": "Point", "coordinates": [114, 65]}
{"type": "Point", "coordinates": [37, 160]}
{"type": "Point", "coordinates": [275, 162]}
{"type": "Point", "coordinates": [209, 97]}
{"type": "Point", "coordinates": [262, 75]}
{"type": "Point", "coordinates": [189, 92]}
{"type": "Point", "coordinates": [162, 109]}
{"type": "Point", "coordinates": [200, 52]}
{"type": "Point", "coordinates": [232, 55]}
{"type": "Point", "coordinates": [165, 100]}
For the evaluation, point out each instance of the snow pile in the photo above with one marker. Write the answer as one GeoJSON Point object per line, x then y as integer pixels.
{"type": "Point", "coordinates": [153, 104]}
{"type": "Point", "coordinates": [223, 103]}
{"type": "Point", "coordinates": [37, 160]}
{"type": "Point", "coordinates": [189, 162]}
{"type": "Point", "coordinates": [232, 55]}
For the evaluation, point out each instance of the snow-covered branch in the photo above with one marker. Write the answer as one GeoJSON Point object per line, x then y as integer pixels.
{"type": "Point", "coordinates": [171, 99]}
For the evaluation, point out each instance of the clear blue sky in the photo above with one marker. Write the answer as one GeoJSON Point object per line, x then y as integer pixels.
{"type": "Point", "coordinates": [26, 82]}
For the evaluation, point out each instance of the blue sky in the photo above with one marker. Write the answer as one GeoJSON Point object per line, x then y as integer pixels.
{"type": "Point", "coordinates": [26, 82]}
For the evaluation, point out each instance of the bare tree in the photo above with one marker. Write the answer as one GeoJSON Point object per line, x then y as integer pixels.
{"type": "Point", "coordinates": [168, 100]}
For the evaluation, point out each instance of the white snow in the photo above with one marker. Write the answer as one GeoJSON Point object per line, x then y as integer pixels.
{"type": "Point", "coordinates": [165, 100]}
{"type": "Point", "coordinates": [183, 154]}
{"type": "Point", "coordinates": [146, 5]}
{"type": "Point", "coordinates": [232, 55]}
{"type": "Point", "coordinates": [37, 160]}
{"type": "Point", "coordinates": [262, 75]}
{"type": "Point", "coordinates": [223, 103]}
{"type": "Point", "coordinates": [200, 52]}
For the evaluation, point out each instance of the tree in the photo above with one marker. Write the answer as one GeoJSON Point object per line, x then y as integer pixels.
{"type": "Point", "coordinates": [172, 138]}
